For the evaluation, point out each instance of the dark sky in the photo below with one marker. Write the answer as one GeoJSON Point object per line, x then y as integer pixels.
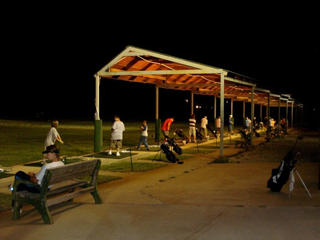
{"type": "Point", "coordinates": [51, 52]}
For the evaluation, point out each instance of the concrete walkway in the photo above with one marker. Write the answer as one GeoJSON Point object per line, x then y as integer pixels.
{"type": "Point", "coordinates": [194, 200]}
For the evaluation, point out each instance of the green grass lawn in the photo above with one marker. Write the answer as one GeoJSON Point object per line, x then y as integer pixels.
{"type": "Point", "coordinates": [23, 141]}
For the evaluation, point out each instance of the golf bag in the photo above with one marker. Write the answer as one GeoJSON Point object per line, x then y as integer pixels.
{"type": "Point", "coordinates": [283, 129]}
{"type": "Point", "coordinates": [169, 154]}
{"type": "Point", "coordinates": [280, 175]}
{"type": "Point", "coordinates": [272, 131]}
{"type": "Point", "coordinates": [199, 135]}
{"type": "Point", "coordinates": [212, 131]}
{"type": "Point", "coordinates": [244, 135]}
{"type": "Point", "coordinates": [174, 145]}
{"type": "Point", "coordinates": [255, 132]}
{"type": "Point", "coordinates": [180, 133]}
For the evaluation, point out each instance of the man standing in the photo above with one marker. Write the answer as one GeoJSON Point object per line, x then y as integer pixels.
{"type": "Point", "coordinates": [144, 135]}
{"type": "Point", "coordinates": [248, 124]}
{"type": "Point", "coordinates": [192, 128]}
{"type": "Point", "coordinates": [116, 135]}
{"type": "Point", "coordinates": [203, 126]}
{"type": "Point", "coordinates": [166, 127]}
{"type": "Point", "coordinates": [218, 125]}
{"type": "Point", "coordinates": [52, 137]}
{"type": "Point", "coordinates": [230, 125]}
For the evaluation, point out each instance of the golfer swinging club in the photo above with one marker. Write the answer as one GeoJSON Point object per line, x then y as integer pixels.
{"type": "Point", "coordinates": [51, 138]}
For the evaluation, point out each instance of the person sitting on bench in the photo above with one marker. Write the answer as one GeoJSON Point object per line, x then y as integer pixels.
{"type": "Point", "coordinates": [52, 152]}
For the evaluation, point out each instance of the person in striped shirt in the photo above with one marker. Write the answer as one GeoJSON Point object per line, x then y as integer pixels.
{"type": "Point", "coordinates": [192, 127]}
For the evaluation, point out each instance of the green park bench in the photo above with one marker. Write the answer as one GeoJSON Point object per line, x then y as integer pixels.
{"type": "Point", "coordinates": [67, 184]}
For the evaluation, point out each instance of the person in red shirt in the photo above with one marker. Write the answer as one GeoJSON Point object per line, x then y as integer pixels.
{"type": "Point", "coordinates": [166, 127]}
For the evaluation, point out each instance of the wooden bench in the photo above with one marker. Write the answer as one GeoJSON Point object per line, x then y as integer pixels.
{"type": "Point", "coordinates": [67, 184]}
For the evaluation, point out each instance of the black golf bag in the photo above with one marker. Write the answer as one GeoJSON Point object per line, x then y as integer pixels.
{"type": "Point", "coordinates": [212, 131]}
{"type": "Point", "coordinates": [283, 129]}
{"type": "Point", "coordinates": [280, 175]}
{"type": "Point", "coordinates": [169, 154]}
{"type": "Point", "coordinates": [255, 132]}
{"type": "Point", "coordinates": [244, 135]}
{"type": "Point", "coordinates": [174, 145]}
{"type": "Point", "coordinates": [180, 133]}
{"type": "Point", "coordinates": [272, 131]}
{"type": "Point", "coordinates": [199, 135]}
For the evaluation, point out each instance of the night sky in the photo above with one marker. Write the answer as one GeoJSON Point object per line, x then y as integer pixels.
{"type": "Point", "coordinates": [51, 52]}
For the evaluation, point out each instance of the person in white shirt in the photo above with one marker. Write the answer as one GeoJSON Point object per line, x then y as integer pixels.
{"type": "Point", "coordinates": [144, 135]}
{"type": "Point", "coordinates": [116, 135]}
{"type": "Point", "coordinates": [203, 126]}
{"type": "Point", "coordinates": [218, 126]}
{"type": "Point", "coordinates": [52, 152]}
{"type": "Point", "coordinates": [52, 137]}
{"type": "Point", "coordinates": [248, 125]}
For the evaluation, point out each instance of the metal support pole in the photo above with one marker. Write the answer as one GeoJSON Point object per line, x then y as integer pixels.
{"type": "Point", "coordinates": [157, 121]}
{"type": "Point", "coordinates": [231, 110]}
{"type": "Point", "coordinates": [296, 116]}
{"type": "Point", "coordinates": [215, 107]}
{"type": "Point", "coordinates": [287, 120]}
{"type": "Point", "coordinates": [252, 116]}
{"type": "Point", "coordinates": [279, 112]}
{"type": "Point", "coordinates": [244, 110]}
{"type": "Point", "coordinates": [157, 103]}
{"type": "Point", "coordinates": [97, 100]}
{"type": "Point", "coordinates": [268, 116]}
{"type": "Point", "coordinates": [244, 114]}
{"type": "Point", "coordinates": [98, 134]}
{"type": "Point", "coordinates": [192, 102]}
{"type": "Point", "coordinates": [221, 112]}
{"type": "Point", "coordinates": [292, 115]}
{"type": "Point", "coordinates": [302, 116]}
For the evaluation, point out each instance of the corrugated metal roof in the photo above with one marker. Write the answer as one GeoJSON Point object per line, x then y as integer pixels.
{"type": "Point", "coordinates": [144, 66]}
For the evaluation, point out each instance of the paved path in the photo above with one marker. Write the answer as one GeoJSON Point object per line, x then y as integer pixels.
{"type": "Point", "coordinates": [195, 200]}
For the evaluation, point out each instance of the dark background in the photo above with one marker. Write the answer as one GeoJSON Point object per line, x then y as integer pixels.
{"type": "Point", "coordinates": [51, 52]}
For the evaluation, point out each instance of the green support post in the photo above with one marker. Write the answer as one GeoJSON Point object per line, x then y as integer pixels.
{"type": "Point", "coordinates": [98, 136]}
{"type": "Point", "coordinates": [158, 130]}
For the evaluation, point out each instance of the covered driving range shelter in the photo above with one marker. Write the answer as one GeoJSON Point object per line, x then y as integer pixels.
{"type": "Point", "coordinates": [164, 71]}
